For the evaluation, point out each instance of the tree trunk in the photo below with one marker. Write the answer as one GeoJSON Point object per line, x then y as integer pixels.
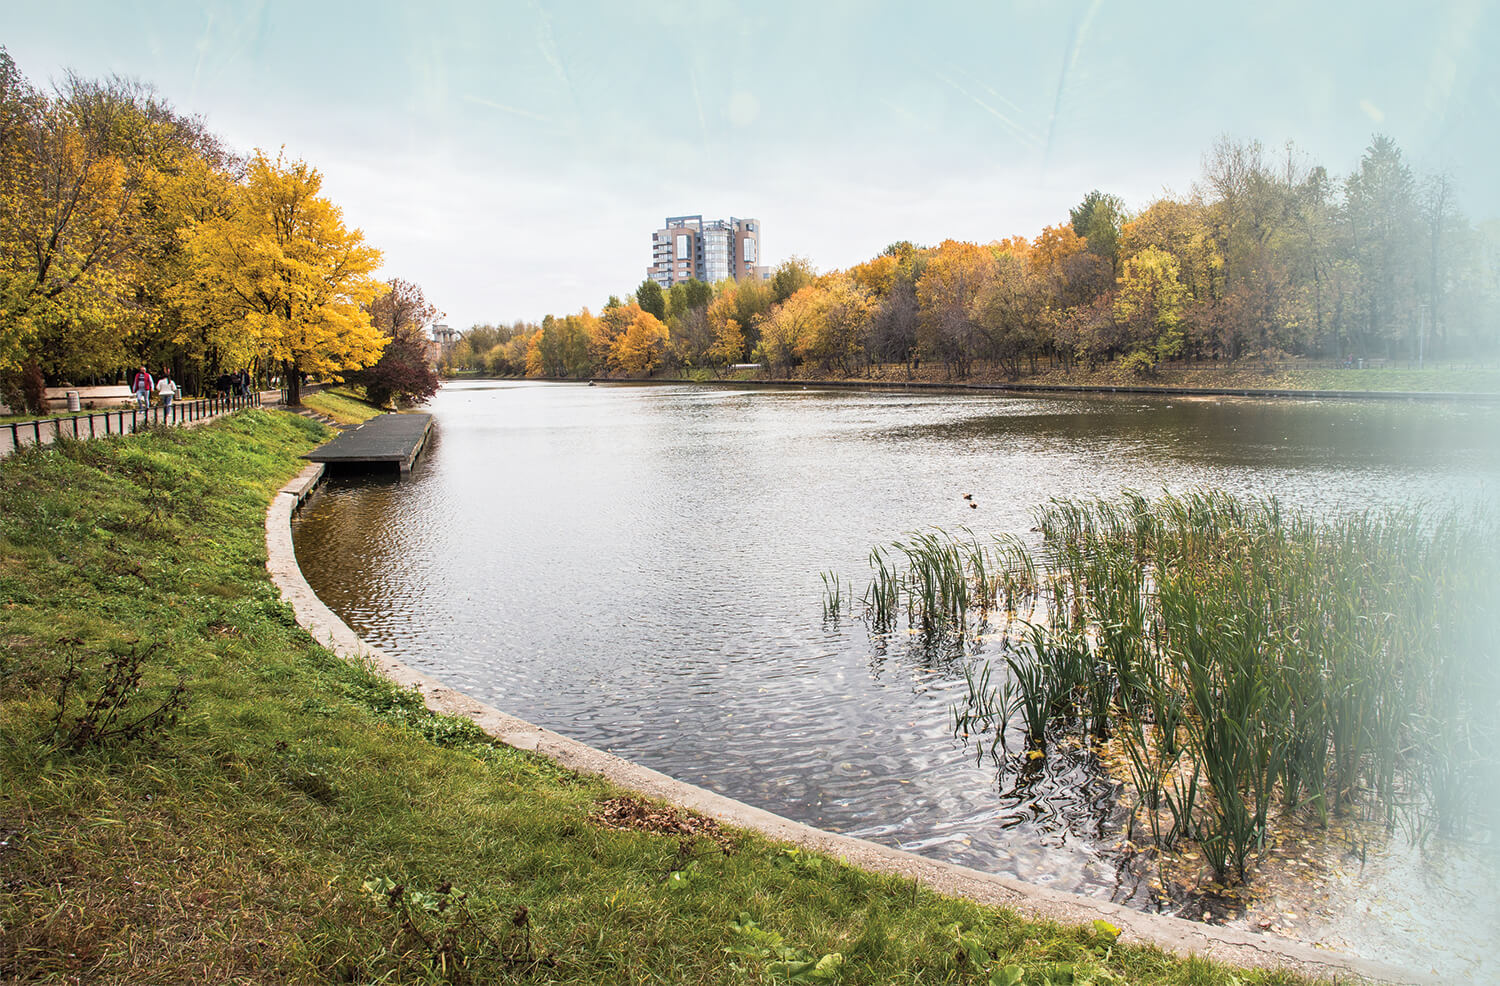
{"type": "Point", "coordinates": [293, 380]}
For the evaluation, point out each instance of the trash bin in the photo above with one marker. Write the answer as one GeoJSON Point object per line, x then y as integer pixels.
{"type": "Point", "coordinates": [73, 404]}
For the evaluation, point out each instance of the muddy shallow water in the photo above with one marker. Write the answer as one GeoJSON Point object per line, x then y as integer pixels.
{"type": "Point", "coordinates": [638, 568]}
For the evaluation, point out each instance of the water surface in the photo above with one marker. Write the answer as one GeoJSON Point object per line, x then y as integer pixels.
{"type": "Point", "coordinates": [637, 567]}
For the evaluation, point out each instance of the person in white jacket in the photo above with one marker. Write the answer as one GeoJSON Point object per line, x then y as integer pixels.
{"type": "Point", "coordinates": [166, 390]}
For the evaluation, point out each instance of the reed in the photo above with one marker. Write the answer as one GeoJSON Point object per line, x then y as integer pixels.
{"type": "Point", "coordinates": [1244, 655]}
{"type": "Point", "coordinates": [833, 597]}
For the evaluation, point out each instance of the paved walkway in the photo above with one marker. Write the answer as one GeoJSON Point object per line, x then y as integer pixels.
{"type": "Point", "coordinates": [124, 420]}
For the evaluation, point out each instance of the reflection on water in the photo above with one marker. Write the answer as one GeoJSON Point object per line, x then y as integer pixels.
{"type": "Point", "coordinates": [638, 568]}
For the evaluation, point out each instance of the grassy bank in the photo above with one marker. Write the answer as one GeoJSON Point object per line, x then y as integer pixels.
{"type": "Point", "coordinates": [192, 790]}
{"type": "Point", "coordinates": [344, 406]}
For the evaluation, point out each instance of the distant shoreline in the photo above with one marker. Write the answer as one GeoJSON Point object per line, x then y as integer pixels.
{"type": "Point", "coordinates": [1025, 388]}
{"type": "Point", "coordinates": [1085, 389]}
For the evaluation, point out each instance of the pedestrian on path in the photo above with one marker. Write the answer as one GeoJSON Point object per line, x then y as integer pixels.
{"type": "Point", "coordinates": [166, 390]}
{"type": "Point", "coordinates": [141, 385]}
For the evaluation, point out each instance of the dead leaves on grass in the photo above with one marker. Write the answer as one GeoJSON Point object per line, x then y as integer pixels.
{"type": "Point", "coordinates": [629, 813]}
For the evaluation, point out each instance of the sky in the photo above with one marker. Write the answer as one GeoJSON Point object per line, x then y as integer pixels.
{"type": "Point", "coordinates": [513, 158]}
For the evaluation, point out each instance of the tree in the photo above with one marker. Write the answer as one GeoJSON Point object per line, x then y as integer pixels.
{"type": "Point", "coordinates": [1150, 304]}
{"type": "Point", "coordinates": [728, 345]}
{"type": "Point", "coordinates": [1098, 219]}
{"type": "Point", "coordinates": [686, 296]}
{"type": "Point", "coordinates": [1006, 313]}
{"type": "Point", "coordinates": [651, 299]}
{"type": "Point", "coordinates": [282, 271]}
{"type": "Point", "coordinates": [402, 303]}
{"type": "Point", "coordinates": [794, 274]}
{"type": "Point", "coordinates": [1382, 222]}
{"type": "Point", "coordinates": [640, 348]}
{"type": "Point", "coordinates": [67, 232]}
{"type": "Point", "coordinates": [839, 336]}
{"type": "Point", "coordinates": [785, 332]}
{"type": "Point", "coordinates": [955, 275]}
{"type": "Point", "coordinates": [404, 371]}
{"type": "Point", "coordinates": [893, 329]}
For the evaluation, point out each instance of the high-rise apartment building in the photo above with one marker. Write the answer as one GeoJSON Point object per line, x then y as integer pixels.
{"type": "Point", "coordinates": [688, 248]}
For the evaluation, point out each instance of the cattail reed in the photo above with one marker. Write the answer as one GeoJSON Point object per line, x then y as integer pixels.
{"type": "Point", "coordinates": [1248, 658]}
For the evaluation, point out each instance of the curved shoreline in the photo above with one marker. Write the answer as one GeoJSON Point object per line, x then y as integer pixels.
{"type": "Point", "coordinates": [1172, 934]}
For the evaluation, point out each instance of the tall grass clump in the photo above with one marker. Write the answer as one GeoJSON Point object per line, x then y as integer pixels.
{"type": "Point", "coordinates": [1249, 652]}
{"type": "Point", "coordinates": [1247, 658]}
{"type": "Point", "coordinates": [944, 583]}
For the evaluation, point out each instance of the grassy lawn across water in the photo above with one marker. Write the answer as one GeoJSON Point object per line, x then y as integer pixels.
{"type": "Point", "coordinates": [192, 790]}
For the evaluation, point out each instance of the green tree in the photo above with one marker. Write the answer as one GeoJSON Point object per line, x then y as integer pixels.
{"type": "Point", "coordinates": [651, 299]}
{"type": "Point", "coordinates": [1382, 218]}
{"type": "Point", "coordinates": [686, 296]}
{"type": "Point", "coordinates": [794, 274]}
{"type": "Point", "coordinates": [1098, 219]}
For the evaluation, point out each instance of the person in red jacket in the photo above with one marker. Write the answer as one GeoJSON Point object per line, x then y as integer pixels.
{"type": "Point", "coordinates": [141, 386]}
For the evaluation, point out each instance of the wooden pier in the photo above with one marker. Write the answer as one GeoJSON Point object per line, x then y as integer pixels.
{"type": "Point", "coordinates": [382, 442]}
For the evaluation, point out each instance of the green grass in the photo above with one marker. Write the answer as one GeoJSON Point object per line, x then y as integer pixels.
{"type": "Point", "coordinates": [260, 837]}
{"type": "Point", "coordinates": [343, 406]}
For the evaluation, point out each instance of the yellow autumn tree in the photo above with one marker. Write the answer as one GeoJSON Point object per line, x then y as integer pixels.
{"type": "Point", "coordinates": [68, 227]}
{"type": "Point", "coordinates": [877, 275]}
{"type": "Point", "coordinates": [953, 279]}
{"type": "Point", "coordinates": [836, 337]}
{"type": "Point", "coordinates": [787, 330]}
{"type": "Point", "coordinates": [1150, 305]}
{"type": "Point", "coordinates": [728, 345]}
{"type": "Point", "coordinates": [536, 364]}
{"type": "Point", "coordinates": [280, 273]}
{"type": "Point", "coordinates": [640, 347]}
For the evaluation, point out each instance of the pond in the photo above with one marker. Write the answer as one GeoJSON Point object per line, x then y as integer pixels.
{"type": "Point", "coordinates": [638, 567]}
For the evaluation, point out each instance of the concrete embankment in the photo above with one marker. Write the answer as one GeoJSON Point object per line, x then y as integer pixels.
{"type": "Point", "coordinates": [1234, 947]}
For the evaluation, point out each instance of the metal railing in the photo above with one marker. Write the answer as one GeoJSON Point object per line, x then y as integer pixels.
{"type": "Point", "coordinates": [118, 420]}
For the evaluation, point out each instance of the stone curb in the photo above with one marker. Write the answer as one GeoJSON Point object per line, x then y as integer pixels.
{"type": "Point", "coordinates": [1182, 937]}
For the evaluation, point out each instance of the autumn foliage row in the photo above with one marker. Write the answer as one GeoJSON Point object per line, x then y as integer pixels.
{"type": "Point", "coordinates": [129, 235]}
{"type": "Point", "coordinates": [1264, 258]}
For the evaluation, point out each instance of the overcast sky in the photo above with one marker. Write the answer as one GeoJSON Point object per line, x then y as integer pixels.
{"type": "Point", "coordinates": [513, 158]}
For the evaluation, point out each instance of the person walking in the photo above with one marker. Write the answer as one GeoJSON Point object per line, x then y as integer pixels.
{"type": "Point", "coordinates": [141, 385]}
{"type": "Point", "coordinates": [166, 390]}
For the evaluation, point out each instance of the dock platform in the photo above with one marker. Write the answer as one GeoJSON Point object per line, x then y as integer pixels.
{"type": "Point", "coordinates": [381, 442]}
